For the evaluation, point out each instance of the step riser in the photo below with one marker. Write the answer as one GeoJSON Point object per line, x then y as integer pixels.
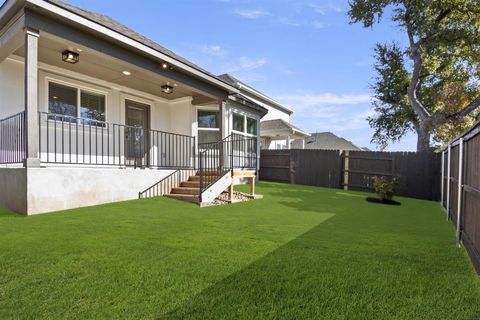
{"type": "Point", "coordinates": [183, 190]}
{"type": "Point", "coordinates": [190, 184]}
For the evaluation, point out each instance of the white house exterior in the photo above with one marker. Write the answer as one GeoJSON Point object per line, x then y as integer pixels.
{"type": "Point", "coordinates": [276, 130]}
{"type": "Point", "coordinates": [126, 115]}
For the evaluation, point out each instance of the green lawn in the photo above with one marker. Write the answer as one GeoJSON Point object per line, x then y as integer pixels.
{"type": "Point", "coordinates": [300, 253]}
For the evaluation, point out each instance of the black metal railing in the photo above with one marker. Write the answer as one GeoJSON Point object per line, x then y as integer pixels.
{"type": "Point", "coordinates": [12, 139]}
{"type": "Point", "coordinates": [217, 158]}
{"type": "Point", "coordinates": [71, 140]}
{"type": "Point", "coordinates": [165, 185]}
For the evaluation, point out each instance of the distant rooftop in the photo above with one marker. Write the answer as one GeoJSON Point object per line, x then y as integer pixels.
{"type": "Point", "coordinates": [326, 141]}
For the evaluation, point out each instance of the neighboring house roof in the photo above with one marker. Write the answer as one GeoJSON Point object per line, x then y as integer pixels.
{"type": "Point", "coordinates": [257, 94]}
{"type": "Point", "coordinates": [326, 141]}
{"type": "Point", "coordinates": [124, 31]}
{"type": "Point", "coordinates": [278, 126]}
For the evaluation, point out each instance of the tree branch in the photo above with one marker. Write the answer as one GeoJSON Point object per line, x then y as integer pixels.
{"type": "Point", "coordinates": [417, 106]}
{"type": "Point", "coordinates": [472, 106]}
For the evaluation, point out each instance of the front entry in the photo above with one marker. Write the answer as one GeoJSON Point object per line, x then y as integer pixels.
{"type": "Point", "coordinates": [137, 119]}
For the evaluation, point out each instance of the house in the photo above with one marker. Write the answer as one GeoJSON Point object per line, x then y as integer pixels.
{"type": "Point", "coordinates": [276, 130]}
{"type": "Point", "coordinates": [92, 112]}
{"type": "Point", "coordinates": [325, 141]}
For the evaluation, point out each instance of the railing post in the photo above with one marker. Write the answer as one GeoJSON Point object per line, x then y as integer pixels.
{"type": "Point", "coordinates": [460, 189]}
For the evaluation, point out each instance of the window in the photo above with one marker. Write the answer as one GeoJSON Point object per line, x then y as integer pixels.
{"type": "Point", "coordinates": [208, 126]}
{"type": "Point", "coordinates": [244, 125]}
{"type": "Point", "coordinates": [92, 106]}
{"type": "Point", "coordinates": [238, 122]}
{"type": "Point", "coordinates": [62, 100]}
{"type": "Point", "coordinates": [251, 126]}
{"type": "Point", "coordinates": [75, 103]}
{"type": "Point", "coordinates": [208, 119]}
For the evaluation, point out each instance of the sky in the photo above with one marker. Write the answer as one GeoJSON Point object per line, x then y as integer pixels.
{"type": "Point", "coordinates": [302, 53]}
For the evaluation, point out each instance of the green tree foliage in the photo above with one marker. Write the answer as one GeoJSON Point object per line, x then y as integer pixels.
{"type": "Point", "coordinates": [431, 85]}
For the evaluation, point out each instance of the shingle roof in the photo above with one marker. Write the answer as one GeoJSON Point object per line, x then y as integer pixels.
{"type": "Point", "coordinates": [326, 141]}
{"type": "Point", "coordinates": [278, 125]}
{"type": "Point", "coordinates": [124, 30]}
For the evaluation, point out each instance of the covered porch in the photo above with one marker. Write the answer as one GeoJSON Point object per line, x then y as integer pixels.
{"type": "Point", "coordinates": [71, 98]}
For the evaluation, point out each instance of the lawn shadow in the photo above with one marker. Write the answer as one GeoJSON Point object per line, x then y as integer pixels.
{"type": "Point", "coordinates": [355, 265]}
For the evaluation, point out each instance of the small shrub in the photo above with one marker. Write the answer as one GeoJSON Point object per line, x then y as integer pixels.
{"type": "Point", "coordinates": [385, 188]}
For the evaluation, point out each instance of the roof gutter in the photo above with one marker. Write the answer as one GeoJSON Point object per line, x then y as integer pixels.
{"type": "Point", "coordinates": [264, 97]}
{"type": "Point", "coordinates": [75, 18]}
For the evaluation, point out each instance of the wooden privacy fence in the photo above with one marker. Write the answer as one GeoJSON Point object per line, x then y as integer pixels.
{"type": "Point", "coordinates": [461, 190]}
{"type": "Point", "coordinates": [418, 172]}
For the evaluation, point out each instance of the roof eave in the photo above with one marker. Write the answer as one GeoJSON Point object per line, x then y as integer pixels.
{"type": "Point", "coordinates": [116, 36]}
{"type": "Point", "coordinates": [260, 95]}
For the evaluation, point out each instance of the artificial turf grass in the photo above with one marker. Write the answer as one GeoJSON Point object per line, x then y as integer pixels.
{"type": "Point", "coordinates": [301, 252]}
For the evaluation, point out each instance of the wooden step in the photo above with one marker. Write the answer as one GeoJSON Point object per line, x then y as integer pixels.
{"type": "Point", "coordinates": [190, 184]}
{"type": "Point", "coordinates": [185, 190]}
{"type": "Point", "coordinates": [194, 178]}
{"type": "Point", "coordinates": [185, 197]}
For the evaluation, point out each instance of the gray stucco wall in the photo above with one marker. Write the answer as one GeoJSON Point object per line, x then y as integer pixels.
{"type": "Point", "coordinates": [13, 189]}
{"type": "Point", "coordinates": [59, 188]}
{"type": "Point", "coordinates": [39, 190]}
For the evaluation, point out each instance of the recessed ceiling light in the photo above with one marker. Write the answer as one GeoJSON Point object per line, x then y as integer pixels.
{"type": "Point", "coordinates": [164, 65]}
{"type": "Point", "coordinates": [127, 73]}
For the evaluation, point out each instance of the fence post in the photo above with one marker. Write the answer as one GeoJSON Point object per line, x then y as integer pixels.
{"type": "Point", "coordinates": [448, 179]}
{"type": "Point", "coordinates": [346, 162]}
{"type": "Point", "coordinates": [460, 189]}
{"type": "Point", "coordinates": [442, 178]}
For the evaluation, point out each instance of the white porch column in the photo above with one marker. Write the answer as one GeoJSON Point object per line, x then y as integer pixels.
{"type": "Point", "coordinates": [31, 97]}
{"type": "Point", "coordinates": [224, 118]}
{"type": "Point", "coordinates": [303, 143]}
{"type": "Point", "coordinates": [288, 142]}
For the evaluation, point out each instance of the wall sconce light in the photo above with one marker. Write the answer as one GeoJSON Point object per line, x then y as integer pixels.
{"type": "Point", "coordinates": [167, 89]}
{"type": "Point", "coordinates": [70, 56]}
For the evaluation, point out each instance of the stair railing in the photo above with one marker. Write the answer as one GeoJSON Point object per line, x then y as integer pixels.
{"type": "Point", "coordinates": [165, 185]}
{"type": "Point", "coordinates": [215, 159]}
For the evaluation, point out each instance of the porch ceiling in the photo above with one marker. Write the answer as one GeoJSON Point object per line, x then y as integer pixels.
{"type": "Point", "coordinates": [98, 65]}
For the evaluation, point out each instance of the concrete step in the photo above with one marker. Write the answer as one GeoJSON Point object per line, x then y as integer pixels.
{"type": "Point", "coordinates": [185, 197]}
{"type": "Point", "coordinates": [190, 184]}
{"type": "Point", "coordinates": [185, 190]}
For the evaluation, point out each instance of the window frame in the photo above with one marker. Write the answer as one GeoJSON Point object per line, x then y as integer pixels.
{"type": "Point", "coordinates": [79, 88]}
{"type": "Point", "coordinates": [245, 126]}
{"type": "Point", "coordinates": [206, 108]}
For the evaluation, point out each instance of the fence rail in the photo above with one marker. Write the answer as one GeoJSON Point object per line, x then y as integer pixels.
{"type": "Point", "coordinates": [71, 140]}
{"type": "Point", "coordinates": [217, 158]}
{"type": "Point", "coordinates": [12, 139]}
{"type": "Point", "coordinates": [461, 190]}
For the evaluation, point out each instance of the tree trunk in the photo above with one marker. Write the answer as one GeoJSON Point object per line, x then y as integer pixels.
{"type": "Point", "coordinates": [423, 140]}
